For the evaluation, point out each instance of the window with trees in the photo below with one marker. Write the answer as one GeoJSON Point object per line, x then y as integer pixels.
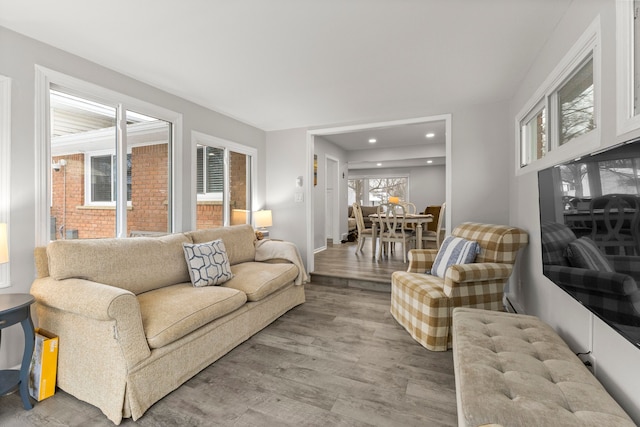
{"type": "Point", "coordinates": [563, 114]}
{"type": "Point", "coordinates": [376, 190]}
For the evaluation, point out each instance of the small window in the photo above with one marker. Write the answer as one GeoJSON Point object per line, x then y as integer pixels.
{"type": "Point", "coordinates": [103, 179]}
{"type": "Point", "coordinates": [561, 120]}
{"type": "Point", "coordinates": [534, 136]}
{"type": "Point", "coordinates": [210, 172]}
{"type": "Point", "coordinates": [576, 104]}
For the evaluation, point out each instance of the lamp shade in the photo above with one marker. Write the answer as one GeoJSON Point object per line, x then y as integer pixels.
{"type": "Point", "coordinates": [263, 219]}
{"type": "Point", "coordinates": [394, 199]}
{"type": "Point", "coordinates": [4, 244]}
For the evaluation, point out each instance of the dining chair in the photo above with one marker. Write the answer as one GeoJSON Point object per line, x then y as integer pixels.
{"type": "Point", "coordinates": [363, 231]}
{"type": "Point", "coordinates": [391, 228]}
{"type": "Point", "coordinates": [435, 234]}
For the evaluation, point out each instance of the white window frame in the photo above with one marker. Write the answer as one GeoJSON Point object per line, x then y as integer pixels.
{"type": "Point", "coordinates": [5, 169]}
{"type": "Point", "coordinates": [540, 106]}
{"type": "Point", "coordinates": [588, 46]}
{"type": "Point", "coordinates": [43, 80]}
{"type": "Point", "coordinates": [199, 138]}
{"type": "Point", "coordinates": [627, 120]}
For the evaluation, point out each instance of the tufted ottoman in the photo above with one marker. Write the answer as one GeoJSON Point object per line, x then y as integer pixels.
{"type": "Point", "coordinates": [514, 370]}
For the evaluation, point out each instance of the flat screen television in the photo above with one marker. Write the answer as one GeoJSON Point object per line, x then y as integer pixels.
{"type": "Point", "coordinates": [590, 233]}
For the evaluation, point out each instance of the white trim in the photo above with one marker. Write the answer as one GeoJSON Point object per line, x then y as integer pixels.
{"type": "Point", "coordinates": [626, 121]}
{"type": "Point", "coordinates": [588, 45]}
{"type": "Point", "coordinates": [335, 231]}
{"type": "Point", "coordinates": [44, 77]}
{"type": "Point", "coordinates": [199, 138]}
{"type": "Point", "coordinates": [5, 170]}
{"type": "Point", "coordinates": [351, 128]}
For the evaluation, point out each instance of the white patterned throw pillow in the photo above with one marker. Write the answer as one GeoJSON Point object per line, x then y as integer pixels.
{"type": "Point", "coordinates": [208, 263]}
{"type": "Point", "coordinates": [454, 250]}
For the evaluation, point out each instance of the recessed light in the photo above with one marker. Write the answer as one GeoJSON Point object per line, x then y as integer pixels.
{"type": "Point", "coordinates": [379, 164]}
{"type": "Point", "coordinates": [373, 141]}
{"type": "Point", "coordinates": [429, 161]}
{"type": "Point", "coordinates": [430, 135]}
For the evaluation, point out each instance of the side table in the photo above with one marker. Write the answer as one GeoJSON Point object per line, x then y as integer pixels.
{"type": "Point", "coordinates": [16, 308]}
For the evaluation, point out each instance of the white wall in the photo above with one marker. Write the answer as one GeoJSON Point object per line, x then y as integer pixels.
{"type": "Point", "coordinates": [19, 57]}
{"type": "Point", "coordinates": [288, 158]}
{"type": "Point", "coordinates": [616, 358]}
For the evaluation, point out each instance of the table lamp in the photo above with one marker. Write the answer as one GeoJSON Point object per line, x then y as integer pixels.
{"type": "Point", "coordinates": [263, 219]}
{"type": "Point", "coordinates": [394, 199]}
{"type": "Point", "coordinates": [4, 244]}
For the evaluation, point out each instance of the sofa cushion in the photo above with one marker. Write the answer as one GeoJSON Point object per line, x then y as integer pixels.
{"type": "Point", "coordinates": [584, 253]}
{"type": "Point", "coordinates": [174, 311]}
{"type": "Point", "coordinates": [238, 239]}
{"type": "Point", "coordinates": [208, 263]}
{"type": "Point", "coordinates": [137, 264]}
{"type": "Point", "coordinates": [454, 250]}
{"type": "Point", "coordinates": [260, 279]}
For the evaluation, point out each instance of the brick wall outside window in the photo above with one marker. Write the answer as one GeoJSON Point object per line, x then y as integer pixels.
{"type": "Point", "coordinates": [149, 196]}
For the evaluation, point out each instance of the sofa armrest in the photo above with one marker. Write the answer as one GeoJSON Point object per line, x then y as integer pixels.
{"type": "Point", "coordinates": [591, 280]}
{"type": "Point", "coordinates": [421, 260]}
{"type": "Point", "coordinates": [96, 301]}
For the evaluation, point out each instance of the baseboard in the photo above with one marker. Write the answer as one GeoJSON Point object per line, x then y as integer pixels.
{"type": "Point", "coordinates": [320, 249]}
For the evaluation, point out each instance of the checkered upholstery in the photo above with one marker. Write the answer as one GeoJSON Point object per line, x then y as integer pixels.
{"type": "Point", "coordinates": [423, 304]}
{"type": "Point", "coordinates": [613, 295]}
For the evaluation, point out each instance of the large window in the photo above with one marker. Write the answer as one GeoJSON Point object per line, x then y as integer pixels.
{"type": "Point", "coordinates": [107, 159]}
{"type": "Point", "coordinates": [562, 116]}
{"type": "Point", "coordinates": [224, 180]}
{"type": "Point", "coordinates": [376, 190]}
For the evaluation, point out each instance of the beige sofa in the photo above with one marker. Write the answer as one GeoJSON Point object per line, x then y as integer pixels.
{"type": "Point", "coordinates": [132, 327]}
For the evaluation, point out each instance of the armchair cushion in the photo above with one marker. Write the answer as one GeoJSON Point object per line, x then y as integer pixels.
{"type": "Point", "coordinates": [454, 250]}
{"type": "Point", "coordinates": [583, 253]}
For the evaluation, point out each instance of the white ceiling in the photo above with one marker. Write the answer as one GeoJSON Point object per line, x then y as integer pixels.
{"type": "Point", "coordinates": [280, 64]}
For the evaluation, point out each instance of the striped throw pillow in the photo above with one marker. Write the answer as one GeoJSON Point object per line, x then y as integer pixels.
{"type": "Point", "coordinates": [454, 250]}
{"type": "Point", "coordinates": [584, 253]}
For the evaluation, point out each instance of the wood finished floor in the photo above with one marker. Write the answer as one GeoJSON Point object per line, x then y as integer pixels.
{"type": "Point", "coordinates": [340, 359]}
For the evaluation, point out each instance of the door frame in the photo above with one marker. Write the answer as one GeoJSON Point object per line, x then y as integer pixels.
{"type": "Point", "coordinates": [375, 125]}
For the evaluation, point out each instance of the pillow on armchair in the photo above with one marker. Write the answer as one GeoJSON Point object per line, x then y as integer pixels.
{"type": "Point", "coordinates": [454, 250]}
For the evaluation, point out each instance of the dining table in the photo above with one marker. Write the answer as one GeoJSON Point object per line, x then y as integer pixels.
{"type": "Point", "coordinates": [416, 219]}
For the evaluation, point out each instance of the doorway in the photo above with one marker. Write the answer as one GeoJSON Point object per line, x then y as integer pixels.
{"type": "Point", "coordinates": [446, 118]}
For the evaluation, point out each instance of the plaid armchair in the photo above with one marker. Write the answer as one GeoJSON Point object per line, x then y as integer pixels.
{"type": "Point", "coordinates": [613, 296]}
{"type": "Point", "coordinates": [423, 304]}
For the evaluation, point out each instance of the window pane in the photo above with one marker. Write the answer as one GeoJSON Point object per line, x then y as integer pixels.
{"type": "Point", "coordinates": [356, 191]}
{"type": "Point", "coordinates": [101, 179]}
{"type": "Point", "coordinates": [575, 104]}
{"type": "Point", "coordinates": [148, 142]}
{"type": "Point", "coordinates": [79, 126]}
{"type": "Point", "coordinates": [239, 187]}
{"type": "Point", "coordinates": [534, 138]}
{"type": "Point", "coordinates": [215, 170]}
{"type": "Point", "coordinates": [380, 189]}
